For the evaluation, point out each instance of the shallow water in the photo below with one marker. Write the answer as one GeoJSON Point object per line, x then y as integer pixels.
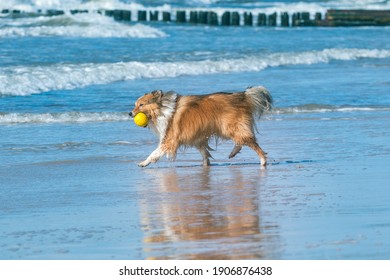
{"type": "Point", "coordinates": [70, 187]}
{"type": "Point", "coordinates": [321, 197]}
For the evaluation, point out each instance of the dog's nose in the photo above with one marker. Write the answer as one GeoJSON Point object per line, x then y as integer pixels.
{"type": "Point", "coordinates": [131, 114]}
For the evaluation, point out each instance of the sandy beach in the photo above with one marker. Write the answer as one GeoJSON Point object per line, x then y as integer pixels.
{"type": "Point", "coordinates": [317, 199]}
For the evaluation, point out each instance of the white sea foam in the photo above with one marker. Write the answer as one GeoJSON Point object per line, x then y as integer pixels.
{"type": "Point", "coordinates": [84, 117]}
{"type": "Point", "coordinates": [27, 80]}
{"type": "Point", "coordinates": [319, 108]}
{"type": "Point", "coordinates": [135, 31]}
{"type": "Point", "coordinates": [66, 117]}
{"type": "Point", "coordinates": [98, 27]}
{"type": "Point", "coordinates": [359, 4]}
{"type": "Point", "coordinates": [78, 25]}
{"type": "Point", "coordinates": [259, 6]}
{"type": "Point", "coordinates": [32, 5]}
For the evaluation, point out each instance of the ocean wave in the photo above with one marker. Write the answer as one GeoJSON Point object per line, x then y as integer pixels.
{"type": "Point", "coordinates": [69, 145]}
{"type": "Point", "coordinates": [27, 80]}
{"type": "Point", "coordinates": [65, 117]}
{"type": "Point", "coordinates": [79, 25]}
{"type": "Point", "coordinates": [85, 117]}
{"type": "Point", "coordinates": [322, 108]}
{"type": "Point", "coordinates": [211, 5]}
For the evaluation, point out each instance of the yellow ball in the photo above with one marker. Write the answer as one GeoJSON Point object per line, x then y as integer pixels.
{"type": "Point", "coordinates": [141, 119]}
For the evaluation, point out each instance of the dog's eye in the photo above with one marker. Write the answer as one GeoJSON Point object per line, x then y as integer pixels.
{"type": "Point", "coordinates": [140, 105]}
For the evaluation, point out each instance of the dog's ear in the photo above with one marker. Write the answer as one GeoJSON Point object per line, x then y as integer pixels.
{"type": "Point", "coordinates": [157, 95]}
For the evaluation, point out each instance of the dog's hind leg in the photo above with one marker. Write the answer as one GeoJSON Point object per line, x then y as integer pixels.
{"type": "Point", "coordinates": [263, 156]}
{"type": "Point", "coordinates": [235, 151]}
{"type": "Point", "coordinates": [153, 157]}
{"type": "Point", "coordinates": [249, 141]}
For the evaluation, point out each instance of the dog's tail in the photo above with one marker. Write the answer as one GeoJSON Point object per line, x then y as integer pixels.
{"type": "Point", "coordinates": [260, 98]}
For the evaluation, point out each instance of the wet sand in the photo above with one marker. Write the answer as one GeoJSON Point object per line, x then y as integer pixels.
{"type": "Point", "coordinates": [324, 195]}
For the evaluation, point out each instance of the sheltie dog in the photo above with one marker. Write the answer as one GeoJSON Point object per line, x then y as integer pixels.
{"type": "Point", "coordinates": [193, 120]}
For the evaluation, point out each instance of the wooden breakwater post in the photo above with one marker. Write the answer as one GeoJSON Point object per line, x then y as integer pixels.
{"type": "Point", "coordinates": [73, 12]}
{"type": "Point", "coordinates": [142, 15]}
{"type": "Point", "coordinates": [285, 19]}
{"type": "Point", "coordinates": [181, 16]}
{"type": "Point", "coordinates": [248, 19]}
{"type": "Point", "coordinates": [333, 18]}
{"type": "Point", "coordinates": [357, 18]}
{"type": "Point", "coordinates": [235, 19]}
{"type": "Point", "coordinates": [340, 18]}
{"type": "Point", "coordinates": [262, 19]}
{"type": "Point", "coordinates": [212, 18]}
{"type": "Point", "coordinates": [226, 19]}
{"type": "Point", "coordinates": [166, 16]}
{"type": "Point", "coordinates": [302, 19]}
{"type": "Point", "coordinates": [194, 17]}
{"type": "Point", "coordinates": [53, 12]}
{"type": "Point", "coordinates": [202, 17]}
{"type": "Point", "coordinates": [153, 15]}
{"type": "Point", "coordinates": [118, 15]}
{"type": "Point", "coordinates": [272, 19]}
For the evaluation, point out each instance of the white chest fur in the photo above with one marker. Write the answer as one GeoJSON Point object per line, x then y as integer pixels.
{"type": "Point", "coordinates": [168, 106]}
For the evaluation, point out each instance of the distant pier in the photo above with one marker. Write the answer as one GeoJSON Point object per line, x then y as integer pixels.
{"type": "Point", "coordinates": [332, 18]}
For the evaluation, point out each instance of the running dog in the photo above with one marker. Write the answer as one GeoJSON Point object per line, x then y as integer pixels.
{"type": "Point", "coordinates": [192, 120]}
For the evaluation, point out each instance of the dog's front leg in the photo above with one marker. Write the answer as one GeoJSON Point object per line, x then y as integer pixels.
{"type": "Point", "coordinates": [153, 157]}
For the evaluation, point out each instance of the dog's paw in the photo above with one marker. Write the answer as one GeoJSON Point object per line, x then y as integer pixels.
{"type": "Point", "coordinates": [143, 164]}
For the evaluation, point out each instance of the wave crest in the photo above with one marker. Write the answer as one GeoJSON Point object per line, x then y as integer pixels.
{"type": "Point", "coordinates": [84, 117]}
{"type": "Point", "coordinates": [27, 80]}
{"type": "Point", "coordinates": [78, 25]}
{"type": "Point", "coordinates": [66, 117]}
{"type": "Point", "coordinates": [322, 108]}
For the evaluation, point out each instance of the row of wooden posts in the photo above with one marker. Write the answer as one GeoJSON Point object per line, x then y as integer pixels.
{"type": "Point", "coordinates": [331, 18]}
{"type": "Point", "coordinates": [211, 18]}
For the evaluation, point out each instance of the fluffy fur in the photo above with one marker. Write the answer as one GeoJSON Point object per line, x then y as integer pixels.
{"type": "Point", "coordinates": [192, 120]}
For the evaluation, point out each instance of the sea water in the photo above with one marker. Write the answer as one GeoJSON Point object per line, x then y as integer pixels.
{"type": "Point", "coordinates": [70, 187]}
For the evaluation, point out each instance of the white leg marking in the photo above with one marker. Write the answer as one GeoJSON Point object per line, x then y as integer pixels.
{"type": "Point", "coordinates": [153, 157]}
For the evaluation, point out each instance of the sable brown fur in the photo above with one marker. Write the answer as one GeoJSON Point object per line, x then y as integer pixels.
{"type": "Point", "coordinates": [192, 120]}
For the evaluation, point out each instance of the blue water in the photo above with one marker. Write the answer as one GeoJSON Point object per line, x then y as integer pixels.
{"type": "Point", "coordinates": [69, 184]}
